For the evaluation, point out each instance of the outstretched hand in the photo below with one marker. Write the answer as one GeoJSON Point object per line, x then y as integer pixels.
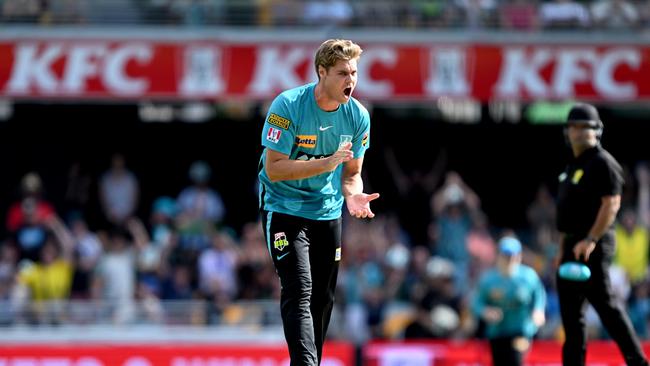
{"type": "Point", "coordinates": [359, 205]}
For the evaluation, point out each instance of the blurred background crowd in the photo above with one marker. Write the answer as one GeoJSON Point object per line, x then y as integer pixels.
{"type": "Point", "coordinates": [404, 274]}
{"type": "Point", "coordinates": [457, 14]}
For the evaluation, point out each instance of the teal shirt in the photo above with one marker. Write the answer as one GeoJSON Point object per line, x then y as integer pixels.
{"type": "Point", "coordinates": [516, 296]}
{"type": "Point", "coordinates": [297, 127]}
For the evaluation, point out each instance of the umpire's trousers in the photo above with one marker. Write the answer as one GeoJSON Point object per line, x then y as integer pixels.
{"type": "Point", "coordinates": [598, 291]}
{"type": "Point", "coordinates": [307, 264]}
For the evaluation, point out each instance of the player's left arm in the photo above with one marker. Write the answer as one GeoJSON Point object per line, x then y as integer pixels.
{"type": "Point", "coordinates": [358, 203]}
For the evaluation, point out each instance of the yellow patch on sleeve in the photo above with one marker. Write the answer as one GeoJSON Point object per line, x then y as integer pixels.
{"type": "Point", "coordinates": [278, 121]}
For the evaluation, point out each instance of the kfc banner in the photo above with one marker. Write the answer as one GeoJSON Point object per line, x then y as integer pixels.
{"type": "Point", "coordinates": [150, 69]}
{"type": "Point", "coordinates": [334, 354]}
{"type": "Point", "coordinates": [477, 353]}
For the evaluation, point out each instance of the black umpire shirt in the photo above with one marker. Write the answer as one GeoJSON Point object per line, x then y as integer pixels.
{"type": "Point", "coordinates": [586, 179]}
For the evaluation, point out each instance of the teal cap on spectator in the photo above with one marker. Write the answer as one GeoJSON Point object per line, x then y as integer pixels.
{"type": "Point", "coordinates": [509, 246]}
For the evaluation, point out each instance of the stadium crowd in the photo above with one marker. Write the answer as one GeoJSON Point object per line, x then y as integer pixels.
{"type": "Point", "coordinates": [398, 278]}
{"type": "Point", "coordinates": [412, 14]}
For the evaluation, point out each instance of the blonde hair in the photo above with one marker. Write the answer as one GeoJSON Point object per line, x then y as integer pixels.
{"type": "Point", "coordinates": [334, 50]}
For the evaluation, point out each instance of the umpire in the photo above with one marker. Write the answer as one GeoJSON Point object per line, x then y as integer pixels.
{"type": "Point", "coordinates": [589, 197]}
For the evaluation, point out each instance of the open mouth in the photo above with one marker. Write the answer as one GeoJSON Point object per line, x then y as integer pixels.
{"type": "Point", "coordinates": [347, 91]}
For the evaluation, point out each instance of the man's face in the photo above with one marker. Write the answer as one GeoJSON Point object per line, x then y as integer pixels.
{"type": "Point", "coordinates": [582, 135]}
{"type": "Point", "coordinates": [339, 81]}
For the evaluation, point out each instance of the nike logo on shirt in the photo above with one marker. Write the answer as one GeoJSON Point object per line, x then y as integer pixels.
{"type": "Point", "coordinates": [325, 128]}
{"type": "Point", "coordinates": [278, 257]}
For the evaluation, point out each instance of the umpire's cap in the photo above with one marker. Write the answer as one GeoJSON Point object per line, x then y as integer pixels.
{"type": "Point", "coordinates": [583, 113]}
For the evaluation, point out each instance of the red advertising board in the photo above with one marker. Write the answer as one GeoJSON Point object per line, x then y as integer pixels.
{"type": "Point", "coordinates": [477, 353]}
{"type": "Point", "coordinates": [334, 354]}
{"type": "Point", "coordinates": [153, 69]}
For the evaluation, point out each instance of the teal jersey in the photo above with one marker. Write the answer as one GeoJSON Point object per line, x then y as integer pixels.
{"type": "Point", "coordinates": [516, 296]}
{"type": "Point", "coordinates": [297, 127]}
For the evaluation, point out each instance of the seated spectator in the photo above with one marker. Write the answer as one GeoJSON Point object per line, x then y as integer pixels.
{"type": "Point", "coordinates": [21, 11]}
{"type": "Point", "coordinates": [327, 12]}
{"type": "Point", "coordinates": [564, 14]}
{"type": "Point", "coordinates": [614, 14]}
{"type": "Point", "coordinates": [478, 13]}
{"type": "Point", "coordinates": [519, 15]}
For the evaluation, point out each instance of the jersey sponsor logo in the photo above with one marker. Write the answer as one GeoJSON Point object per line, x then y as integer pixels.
{"type": "Point", "coordinates": [306, 157]}
{"type": "Point", "coordinates": [273, 135]}
{"type": "Point", "coordinates": [308, 141]}
{"type": "Point", "coordinates": [344, 139]}
{"type": "Point", "coordinates": [337, 255]}
{"type": "Point", "coordinates": [324, 128]}
{"type": "Point", "coordinates": [280, 241]}
{"type": "Point", "coordinates": [278, 121]}
{"type": "Point", "coordinates": [577, 176]}
{"type": "Point", "coordinates": [364, 140]}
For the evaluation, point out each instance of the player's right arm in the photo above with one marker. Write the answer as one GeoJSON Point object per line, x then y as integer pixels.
{"type": "Point", "coordinates": [279, 167]}
{"type": "Point", "coordinates": [278, 136]}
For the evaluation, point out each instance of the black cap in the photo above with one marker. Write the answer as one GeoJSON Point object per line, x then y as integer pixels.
{"type": "Point", "coordinates": [584, 113]}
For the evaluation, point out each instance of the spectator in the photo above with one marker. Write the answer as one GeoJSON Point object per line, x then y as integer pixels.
{"type": "Point", "coordinates": [519, 15]}
{"type": "Point", "coordinates": [22, 11]}
{"type": "Point", "coordinates": [118, 192]}
{"type": "Point", "coordinates": [200, 209]}
{"type": "Point", "coordinates": [327, 12]}
{"type": "Point", "coordinates": [564, 14]}
{"type": "Point", "coordinates": [77, 190]}
{"type": "Point", "coordinates": [88, 250]}
{"type": "Point", "coordinates": [114, 279]}
{"type": "Point", "coordinates": [68, 11]}
{"type": "Point", "coordinates": [27, 218]}
{"type": "Point", "coordinates": [46, 283]}
{"type": "Point", "coordinates": [643, 196]}
{"type": "Point", "coordinates": [31, 188]}
{"type": "Point", "coordinates": [478, 13]}
{"type": "Point", "coordinates": [632, 247]}
{"type": "Point", "coordinates": [614, 14]}
{"type": "Point", "coordinates": [217, 269]}
{"type": "Point", "coordinates": [455, 206]}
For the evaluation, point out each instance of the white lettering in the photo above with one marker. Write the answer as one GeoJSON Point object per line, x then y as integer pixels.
{"type": "Point", "coordinates": [604, 74]}
{"type": "Point", "coordinates": [570, 69]}
{"type": "Point", "coordinates": [30, 69]}
{"type": "Point", "coordinates": [273, 71]}
{"type": "Point", "coordinates": [82, 63]}
{"type": "Point", "coordinates": [367, 86]}
{"type": "Point", "coordinates": [519, 73]}
{"type": "Point", "coordinates": [115, 75]}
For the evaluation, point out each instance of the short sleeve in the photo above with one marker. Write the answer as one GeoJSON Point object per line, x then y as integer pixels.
{"type": "Point", "coordinates": [361, 141]}
{"type": "Point", "coordinates": [278, 133]}
{"type": "Point", "coordinates": [609, 180]}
